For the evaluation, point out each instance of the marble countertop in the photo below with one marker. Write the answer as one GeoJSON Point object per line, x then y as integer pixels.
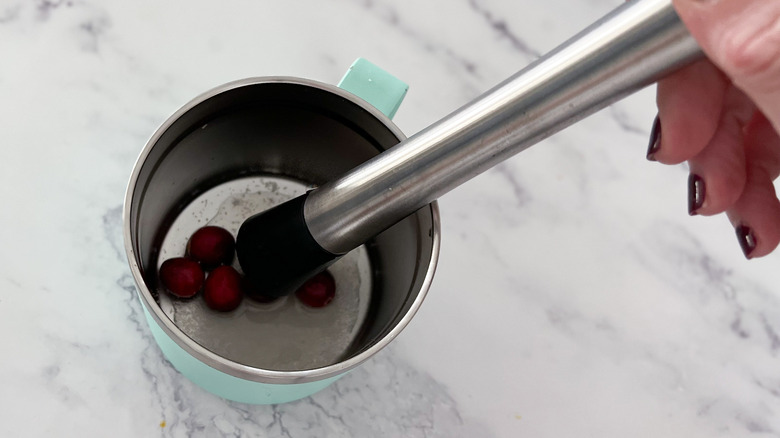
{"type": "Point", "coordinates": [574, 295]}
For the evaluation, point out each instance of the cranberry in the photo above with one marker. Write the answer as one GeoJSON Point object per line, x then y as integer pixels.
{"type": "Point", "coordinates": [212, 246]}
{"type": "Point", "coordinates": [181, 276]}
{"type": "Point", "coordinates": [318, 291]}
{"type": "Point", "coordinates": [223, 289]}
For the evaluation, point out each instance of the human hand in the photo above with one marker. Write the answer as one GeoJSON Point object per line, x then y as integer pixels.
{"type": "Point", "coordinates": [722, 116]}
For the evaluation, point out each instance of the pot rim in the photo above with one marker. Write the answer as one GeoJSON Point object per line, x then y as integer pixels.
{"type": "Point", "coordinates": [221, 363]}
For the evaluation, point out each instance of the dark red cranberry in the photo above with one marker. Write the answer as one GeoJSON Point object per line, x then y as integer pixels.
{"type": "Point", "coordinates": [254, 294]}
{"type": "Point", "coordinates": [181, 276]}
{"type": "Point", "coordinates": [212, 246]}
{"type": "Point", "coordinates": [318, 291]}
{"type": "Point", "coordinates": [223, 289]}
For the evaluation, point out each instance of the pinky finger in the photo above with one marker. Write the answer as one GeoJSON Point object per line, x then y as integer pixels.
{"type": "Point", "coordinates": [756, 214]}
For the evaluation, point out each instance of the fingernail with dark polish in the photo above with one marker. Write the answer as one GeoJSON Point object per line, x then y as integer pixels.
{"type": "Point", "coordinates": [655, 139]}
{"type": "Point", "coordinates": [747, 240]}
{"type": "Point", "coordinates": [696, 193]}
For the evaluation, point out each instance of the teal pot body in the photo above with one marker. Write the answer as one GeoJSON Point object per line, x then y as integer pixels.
{"type": "Point", "coordinates": [320, 131]}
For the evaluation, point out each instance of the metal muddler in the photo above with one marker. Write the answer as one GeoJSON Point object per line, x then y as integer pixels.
{"type": "Point", "coordinates": [628, 49]}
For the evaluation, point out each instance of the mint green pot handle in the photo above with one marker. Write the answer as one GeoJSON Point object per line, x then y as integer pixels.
{"type": "Point", "coordinates": [374, 85]}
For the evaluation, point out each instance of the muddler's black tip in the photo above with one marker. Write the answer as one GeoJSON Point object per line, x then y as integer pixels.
{"type": "Point", "coordinates": [277, 252]}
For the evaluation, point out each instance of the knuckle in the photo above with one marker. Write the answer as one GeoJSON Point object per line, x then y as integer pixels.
{"type": "Point", "coordinates": [753, 52]}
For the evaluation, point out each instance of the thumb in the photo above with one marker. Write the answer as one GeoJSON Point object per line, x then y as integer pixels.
{"type": "Point", "coordinates": [742, 37]}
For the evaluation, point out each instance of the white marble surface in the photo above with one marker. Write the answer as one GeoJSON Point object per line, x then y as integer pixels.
{"type": "Point", "coordinates": [574, 296]}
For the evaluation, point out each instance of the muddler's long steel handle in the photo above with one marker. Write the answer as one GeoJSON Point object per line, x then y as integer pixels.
{"type": "Point", "coordinates": [628, 49]}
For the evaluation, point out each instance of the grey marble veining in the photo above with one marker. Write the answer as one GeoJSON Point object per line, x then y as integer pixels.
{"type": "Point", "coordinates": [574, 295]}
